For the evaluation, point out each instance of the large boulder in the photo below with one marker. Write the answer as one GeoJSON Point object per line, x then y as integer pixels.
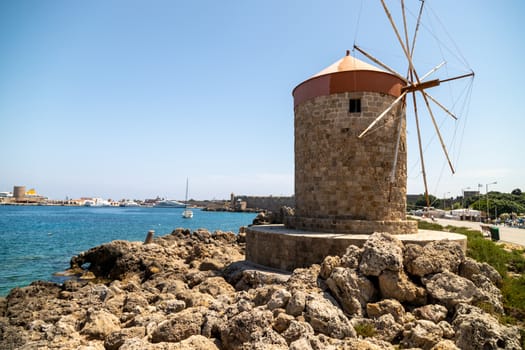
{"type": "Point", "coordinates": [396, 285]}
{"type": "Point", "coordinates": [492, 294]}
{"type": "Point", "coordinates": [386, 307]}
{"type": "Point", "coordinates": [434, 257]}
{"type": "Point", "coordinates": [179, 326]}
{"type": "Point", "coordinates": [99, 324]}
{"type": "Point", "coordinates": [327, 318]}
{"type": "Point", "coordinates": [352, 257]}
{"type": "Point", "coordinates": [470, 267]}
{"type": "Point", "coordinates": [352, 291]}
{"type": "Point", "coordinates": [382, 251]}
{"type": "Point", "coordinates": [449, 289]}
{"type": "Point", "coordinates": [296, 304]}
{"type": "Point", "coordinates": [431, 312]}
{"type": "Point", "coordinates": [421, 334]}
{"type": "Point", "coordinates": [246, 327]}
{"type": "Point", "coordinates": [476, 329]}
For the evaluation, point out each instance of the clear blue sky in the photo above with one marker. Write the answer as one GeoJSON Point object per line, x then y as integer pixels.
{"type": "Point", "coordinates": [126, 99]}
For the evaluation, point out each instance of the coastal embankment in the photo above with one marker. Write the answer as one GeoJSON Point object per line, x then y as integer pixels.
{"type": "Point", "coordinates": [193, 290]}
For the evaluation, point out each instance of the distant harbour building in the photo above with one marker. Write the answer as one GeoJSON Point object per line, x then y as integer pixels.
{"type": "Point", "coordinates": [19, 192]}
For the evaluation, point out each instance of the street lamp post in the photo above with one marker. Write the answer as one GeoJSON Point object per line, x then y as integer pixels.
{"type": "Point", "coordinates": [479, 200]}
{"type": "Point", "coordinates": [444, 199]}
{"type": "Point", "coordinates": [487, 190]}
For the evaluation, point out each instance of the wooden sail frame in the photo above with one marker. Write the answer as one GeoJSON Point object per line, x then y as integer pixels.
{"type": "Point", "coordinates": [414, 85]}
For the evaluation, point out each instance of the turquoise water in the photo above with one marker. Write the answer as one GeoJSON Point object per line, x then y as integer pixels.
{"type": "Point", "coordinates": [36, 242]}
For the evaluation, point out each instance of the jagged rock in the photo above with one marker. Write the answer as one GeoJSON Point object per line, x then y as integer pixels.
{"type": "Point", "coordinates": [492, 294]}
{"type": "Point", "coordinates": [328, 265]}
{"type": "Point", "coordinates": [422, 334]}
{"type": "Point", "coordinates": [215, 286]}
{"type": "Point", "coordinates": [300, 344]}
{"type": "Point", "coordinates": [470, 267]}
{"type": "Point", "coordinates": [99, 324]}
{"type": "Point", "coordinates": [134, 302]}
{"type": "Point", "coordinates": [396, 285]}
{"type": "Point", "coordinates": [434, 257]}
{"type": "Point", "coordinates": [197, 342]}
{"type": "Point", "coordinates": [364, 344]}
{"type": "Point", "coordinates": [352, 257]}
{"type": "Point", "coordinates": [351, 290]}
{"type": "Point", "coordinates": [246, 327]}
{"type": "Point", "coordinates": [279, 299]}
{"type": "Point", "coordinates": [281, 322]}
{"type": "Point", "coordinates": [445, 345]}
{"type": "Point", "coordinates": [476, 329]}
{"type": "Point", "coordinates": [244, 275]}
{"type": "Point", "coordinates": [327, 318]}
{"type": "Point", "coordinates": [387, 328]}
{"type": "Point", "coordinates": [450, 289]}
{"type": "Point", "coordinates": [448, 331]}
{"type": "Point", "coordinates": [381, 251]}
{"type": "Point", "coordinates": [269, 339]}
{"type": "Point", "coordinates": [296, 330]}
{"type": "Point", "coordinates": [296, 304]}
{"type": "Point", "coordinates": [171, 306]}
{"type": "Point", "coordinates": [305, 279]}
{"type": "Point", "coordinates": [431, 312]}
{"type": "Point", "coordinates": [179, 326]}
{"type": "Point", "coordinates": [193, 298]}
{"type": "Point", "coordinates": [387, 306]}
{"type": "Point", "coordinates": [116, 339]}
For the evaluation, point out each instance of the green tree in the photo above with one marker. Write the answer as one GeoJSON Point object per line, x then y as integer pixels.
{"type": "Point", "coordinates": [422, 201]}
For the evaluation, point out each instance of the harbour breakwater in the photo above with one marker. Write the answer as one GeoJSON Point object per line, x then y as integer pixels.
{"type": "Point", "coordinates": [193, 290]}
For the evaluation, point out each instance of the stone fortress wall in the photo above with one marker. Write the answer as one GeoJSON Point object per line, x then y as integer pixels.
{"type": "Point", "coordinates": [271, 203]}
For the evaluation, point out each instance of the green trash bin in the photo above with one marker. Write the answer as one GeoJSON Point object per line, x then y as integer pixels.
{"type": "Point", "coordinates": [494, 233]}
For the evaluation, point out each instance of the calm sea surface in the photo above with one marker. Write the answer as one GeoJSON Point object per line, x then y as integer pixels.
{"type": "Point", "coordinates": [36, 242]}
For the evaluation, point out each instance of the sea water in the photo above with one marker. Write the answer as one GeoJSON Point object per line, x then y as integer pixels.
{"type": "Point", "coordinates": [38, 241]}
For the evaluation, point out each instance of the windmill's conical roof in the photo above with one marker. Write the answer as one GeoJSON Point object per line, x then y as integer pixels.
{"type": "Point", "coordinates": [348, 75]}
{"type": "Point", "coordinates": [346, 64]}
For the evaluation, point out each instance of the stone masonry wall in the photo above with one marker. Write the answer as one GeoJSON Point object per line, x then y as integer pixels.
{"type": "Point", "coordinates": [271, 203]}
{"type": "Point", "coordinates": [339, 177]}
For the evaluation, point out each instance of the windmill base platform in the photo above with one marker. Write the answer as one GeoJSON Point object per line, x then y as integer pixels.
{"type": "Point", "coordinates": [283, 248]}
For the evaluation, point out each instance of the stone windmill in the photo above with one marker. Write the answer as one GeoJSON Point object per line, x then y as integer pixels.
{"type": "Point", "coordinates": [350, 161]}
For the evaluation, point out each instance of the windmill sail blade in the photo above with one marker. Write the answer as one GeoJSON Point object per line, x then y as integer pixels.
{"type": "Point", "coordinates": [396, 31]}
{"type": "Point", "coordinates": [438, 132]}
{"type": "Point", "coordinates": [433, 70]}
{"type": "Point", "coordinates": [440, 105]}
{"type": "Point", "coordinates": [396, 152]}
{"type": "Point", "coordinates": [420, 149]}
{"type": "Point", "coordinates": [405, 26]}
{"type": "Point", "coordinates": [375, 60]}
{"type": "Point", "coordinates": [382, 115]}
{"type": "Point", "coordinates": [417, 27]}
{"type": "Point", "coordinates": [471, 74]}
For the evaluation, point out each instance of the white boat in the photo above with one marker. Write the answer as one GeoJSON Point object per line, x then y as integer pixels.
{"type": "Point", "coordinates": [169, 203]}
{"type": "Point", "coordinates": [129, 203]}
{"type": "Point", "coordinates": [187, 214]}
{"type": "Point", "coordinates": [97, 202]}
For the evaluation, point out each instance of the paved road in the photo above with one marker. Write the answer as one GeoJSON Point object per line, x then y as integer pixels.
{"type": "Point", "coordinates": [506, 234]}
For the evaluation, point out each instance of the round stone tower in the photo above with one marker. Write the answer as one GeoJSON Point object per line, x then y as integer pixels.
{"type": "Point", "coordinates": [343, 183]}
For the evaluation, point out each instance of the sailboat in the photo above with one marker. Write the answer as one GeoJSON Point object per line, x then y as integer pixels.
{"type": "Point", "coordinates": [187, 214]}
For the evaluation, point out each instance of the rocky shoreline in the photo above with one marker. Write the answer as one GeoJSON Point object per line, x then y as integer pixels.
{"type": "Point", "coordinates": [193, 290]}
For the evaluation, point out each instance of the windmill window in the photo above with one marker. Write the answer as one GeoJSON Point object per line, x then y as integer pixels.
{"type": "Point", "coordinates": [355, 105]}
